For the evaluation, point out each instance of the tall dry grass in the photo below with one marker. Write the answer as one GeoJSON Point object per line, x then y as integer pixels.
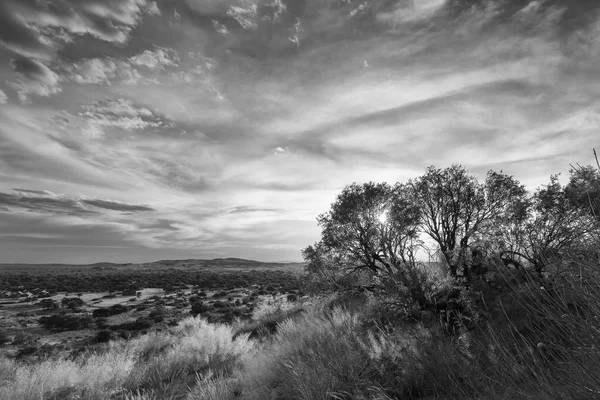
{"type": "Point", "coordinates": [161, 365]}
{"type": "Point", "coordinates": [556, 354]}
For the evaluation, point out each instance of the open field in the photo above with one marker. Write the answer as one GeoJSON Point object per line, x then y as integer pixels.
{"type": "Point", "coordinates": [38, 317]}
{"type": "Point", "coordinates": [107, 276]}
{"type": "Point", "coordinates": [221, 263]}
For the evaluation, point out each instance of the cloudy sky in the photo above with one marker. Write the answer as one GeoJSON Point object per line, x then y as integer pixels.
{"type": "Point", "coordinates": [137, 130]}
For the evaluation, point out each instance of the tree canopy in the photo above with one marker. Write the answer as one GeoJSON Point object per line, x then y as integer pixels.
{"type": "Point", "coordinates": [456, 209]}
{"type": "Point", "coordinates": [373, 231]}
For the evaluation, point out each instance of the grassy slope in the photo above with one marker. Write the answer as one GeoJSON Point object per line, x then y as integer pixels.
{"type": "Point", "coordinates": [334, 354]}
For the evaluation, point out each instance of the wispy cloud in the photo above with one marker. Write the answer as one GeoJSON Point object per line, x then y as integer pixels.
{"type": "Point", "coordinates": [250, 209]}
{"type": "Point", "coordinates": [34, 78]}
{"type": "Point", "coordinates": [30, 28]}
{"type": "Point", "coordinates": [157, 58]}
{"type": "Point", "coordinates": [122, 114]}
{"type": "Point", "coordinates": [97, 71]}
{"type": "Point", "coordinates": [52, 205]}
{"type": "Point", "coordinates": [48, 202]}
{"type": "Point", "coordinates": [131, 71]}
{"type": "Point", "coordinates": [113, 205]}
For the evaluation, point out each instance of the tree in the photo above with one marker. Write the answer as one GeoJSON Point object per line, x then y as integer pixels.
{"type": "Point", "coordinates": [324, 267]}
{"type": "Point", "coordinates": [368, 240]}
{"type": "Point", "coordinates": [583, 189]}
{"type": "Point", "coordinates": [48, 304]}
{"type": "Point", "coordinates": [372, 226]}
{"type": "Point", "coordinates": [555, 224]}
{"type": "Point", "coordinates": [456, 209]}
{"type": "Point", "coordinates": [72, 302]}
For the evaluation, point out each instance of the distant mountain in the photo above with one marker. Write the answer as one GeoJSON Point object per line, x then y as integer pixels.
{"type": "Point", "coordinates": [233, 259]}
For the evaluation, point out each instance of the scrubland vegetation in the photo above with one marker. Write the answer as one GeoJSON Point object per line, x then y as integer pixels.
{"type": "Point", "coordinates": [508, 308]}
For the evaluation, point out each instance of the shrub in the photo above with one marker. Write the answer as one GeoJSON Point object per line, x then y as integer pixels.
{"type": "Point", "coordinates": [109, 311]}
{"type": "Point", "coordinates": [157, 315]}
{"type": "Point", "coordinates": [220, 304]}
{"type": "Point", "coordinates": [48, 304]}
{"type": "Point", "coordinates": [291, 298]}
{"type": "Point", "coordinates": [27, 351]}
{"type": "Point", "coordinates": [64, 322]}
{"type": "Point", "coordinates": [102, 323]}
{"type": "Point", "coordinates": [72, 302]}
{"type": "Point", "coordinates": [24, 337]}
{"type": "Point", "coordinates": [4, 338]}
{"type": "Point", "coordinates": [198, 308]}
{"type": "Point", "coordinates": [104, 336]}
{"type": "Point", "coordinates": [139, 324]}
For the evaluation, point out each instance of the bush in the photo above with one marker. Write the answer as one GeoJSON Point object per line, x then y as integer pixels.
{"type": "Point", "coordinates": [72, 302]}
{"type": "Point", "coordinates": [48, 304]}
{"type": "Point", "coordinates": [110, 311]}
{"type": "Point", "coordinates": [24, 337]}
{"type": "Point", "coordinates": [4, 338]}
{"type": "Point", "coordinates": [139, 324]}
{"type": "Point", "coordinates": [220, 304]}
{"type": "Point", "coordinates": [104, 336]}
{"type": "Point", "coordinates": [102, 323]}
{"type": "Point", "coordinates": [157, 315]}
{"type": "Point", "coordinates": [291, 298]}
{"type": "Point", "coordinates": [198, 308]}
{"type": "Point", "coordinates": [130, 291]}
{"type": "Point", "coordinates": [27, 351]}
{"type": "Point", "coordinates": [65, 322]}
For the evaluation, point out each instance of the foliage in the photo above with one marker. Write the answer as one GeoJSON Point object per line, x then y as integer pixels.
{"type": "Point", "coordinates": [110, 281]}
{"type": "Point", "coordinates": [198, 307]}
{"type": "Point", "coordinates": [109, 311]}
{"type": "Point", "coordinates": [155, 365]}
{"type": "Point", "coordinates": [72, 302]}
{"type": "Point", "coordinates": [555, 225]}
{"type": "Point", "coordinates": [65, 322]}
{"type": "Point", "coordinates": [138, 324]}
{"type": "Point", "coordinates": [4, 338]}
{"type": "Point", "coordinates": [372, 233]}
{"type": "Point", "coordinates": [48, 304]}
{"type": "Point", "coordinates": [369, 240]}
{"type": "Point", "coordinates": [583, 189]}
{"type": "Point", "coordinates": [456, 209]}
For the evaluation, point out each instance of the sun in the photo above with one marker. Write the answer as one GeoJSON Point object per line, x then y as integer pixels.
{"type": "Point", "coordinates": [383, 217]}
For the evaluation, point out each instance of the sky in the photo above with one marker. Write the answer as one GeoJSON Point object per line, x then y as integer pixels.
{"type": "Point", "coordinates": [137, 130]}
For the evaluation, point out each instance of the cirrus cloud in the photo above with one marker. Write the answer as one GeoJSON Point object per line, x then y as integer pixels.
{"type": "Point", "coordinates": [35, 78]}
{"type": "Point", "coordinates": [98, 71]}
{"type": "Point", "coordinates": [23, 22]}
